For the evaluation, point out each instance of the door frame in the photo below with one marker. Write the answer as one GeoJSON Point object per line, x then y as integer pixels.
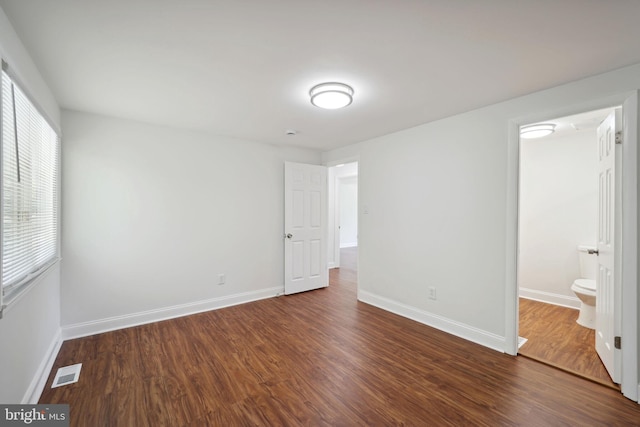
{"type": "Point", "coordinates": [630, 386]}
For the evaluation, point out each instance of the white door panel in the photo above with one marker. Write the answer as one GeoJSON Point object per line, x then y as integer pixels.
{"type": "Point", "coordinates": [305, 227]}
{"type": "Point", "coordinates": [607, 290]}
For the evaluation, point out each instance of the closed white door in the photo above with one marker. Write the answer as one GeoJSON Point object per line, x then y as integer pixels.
{"type": "Point", "coordinates": [305, 227]}
{"type": "Point", "coordinates": [607, 292]}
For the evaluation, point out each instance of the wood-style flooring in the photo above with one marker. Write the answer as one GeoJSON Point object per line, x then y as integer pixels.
{"type": "Point", "coordinates": [318, 358]}
{"type": "Point", "coordinates": [554, 337]}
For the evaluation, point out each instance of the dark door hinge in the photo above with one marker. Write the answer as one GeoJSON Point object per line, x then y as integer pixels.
{"type": "Point", "coordinates": [617, 342]}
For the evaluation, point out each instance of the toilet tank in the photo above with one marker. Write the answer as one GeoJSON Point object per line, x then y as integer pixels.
{"type": "Point", "coordinates": [588, 262]}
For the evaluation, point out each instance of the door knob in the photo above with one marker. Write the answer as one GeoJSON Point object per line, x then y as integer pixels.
{"type": "Point", "coordinates": [593, 251]}
{"type": "Point", "coordinates": [288, 235]}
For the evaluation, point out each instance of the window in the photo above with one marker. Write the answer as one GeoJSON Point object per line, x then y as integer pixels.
{"type": "Point", "coordinates": [29, 191]}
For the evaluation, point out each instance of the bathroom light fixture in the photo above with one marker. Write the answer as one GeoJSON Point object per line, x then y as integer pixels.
{"type": "Point", "coordinates": [537, 131]}
{"type": "Point", "coordinates": [331, 95]}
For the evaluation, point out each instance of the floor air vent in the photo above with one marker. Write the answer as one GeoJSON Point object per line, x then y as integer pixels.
{"type": "Point", "coordinates": [67, 375]}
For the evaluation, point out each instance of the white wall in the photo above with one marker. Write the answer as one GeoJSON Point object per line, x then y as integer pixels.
{"type": "Point", "coordinates": [152, 215]}
{"type": "Point", "coordinates": [30, 327]}
{"type": "Point", "coordinates": [558, 210]}
{"type": "Point", "coordinates": [19, 60]}
{"type": "Point", "coordinates": [436, 197]}
{"type": "Point", "coordinates": [348, 193]}
{"type": "Point", "coordinates": [30, 336]}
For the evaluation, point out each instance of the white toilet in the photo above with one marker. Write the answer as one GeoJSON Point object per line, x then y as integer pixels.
{"type": "Point", "coordinates": [585, 287]}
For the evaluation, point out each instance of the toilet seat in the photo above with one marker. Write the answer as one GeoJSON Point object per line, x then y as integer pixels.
{"type": "Point", "coordinates": [587, 284]}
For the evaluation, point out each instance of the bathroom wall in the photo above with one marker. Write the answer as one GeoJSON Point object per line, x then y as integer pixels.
{"type": "Point", "coordinates": [558, 211]}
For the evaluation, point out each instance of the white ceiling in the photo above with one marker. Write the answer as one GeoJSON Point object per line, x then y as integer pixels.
{"type": "Point", "coordinates": [243, 68]}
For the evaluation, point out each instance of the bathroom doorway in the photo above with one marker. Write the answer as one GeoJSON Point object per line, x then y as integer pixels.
{"type": "Point", "coordinates": [558, 213]}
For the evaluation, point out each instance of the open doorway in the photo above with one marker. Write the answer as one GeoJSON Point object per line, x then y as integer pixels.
{"type": "Point", "coordinates": [560, 221]}
{"type": "Point", "coordinates": [626, 327]}
{"type": "Point", "coordinates": [343, 223]}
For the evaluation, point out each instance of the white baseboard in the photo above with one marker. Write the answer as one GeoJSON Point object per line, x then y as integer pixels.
{"type": "Point", "coordinates": [39, 381]}
{"type": "Point", "coordinates": [550, 298]}
{"type": "Point", "coordinates": [84, 329]}
{"type": "Point", "coordinates": [458, 329]}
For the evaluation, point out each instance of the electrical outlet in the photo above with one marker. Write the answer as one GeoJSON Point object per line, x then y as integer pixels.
{"type": "Point", "coordinates": [432, 292]}
{"type": "Point", "coordinates": [221, 279]}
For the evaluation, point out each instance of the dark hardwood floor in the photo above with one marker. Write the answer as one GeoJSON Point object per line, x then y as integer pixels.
{"type": "Point", "coordinates": [318, 358]}
{"type": "Point", "coordinates": [554, 337]}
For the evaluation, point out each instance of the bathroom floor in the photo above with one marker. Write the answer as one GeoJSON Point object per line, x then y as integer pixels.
{"type": "Point", "coordinates": [554, 338]}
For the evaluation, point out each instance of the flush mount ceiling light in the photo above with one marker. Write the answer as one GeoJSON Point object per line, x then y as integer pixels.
{"type": "Point", "coordinates": [537, 131]}
{"type": "Point", "coordinates": [331, 95]}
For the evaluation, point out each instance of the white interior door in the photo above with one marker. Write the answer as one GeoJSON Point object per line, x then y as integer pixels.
{"type": "Point", "coordinates": [305, 227]}
{"type": "Point", "coordinates": [607, 290]}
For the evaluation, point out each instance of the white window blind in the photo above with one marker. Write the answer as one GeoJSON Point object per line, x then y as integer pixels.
{"type": "Point", "coordinates": [30, 162]}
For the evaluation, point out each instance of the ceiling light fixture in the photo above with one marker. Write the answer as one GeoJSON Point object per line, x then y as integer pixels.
{"type": "Point", "coordinates": [331, 95]}
{"type": "Point", "coordinates": [537, 131]}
